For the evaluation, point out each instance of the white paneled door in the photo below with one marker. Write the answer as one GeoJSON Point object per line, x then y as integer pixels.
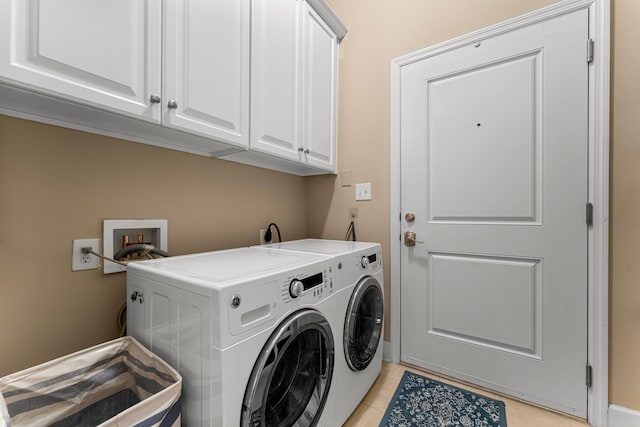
{"type": "Point", "coordinates": [494, 185]}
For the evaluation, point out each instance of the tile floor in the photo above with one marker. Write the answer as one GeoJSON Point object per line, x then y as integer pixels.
{"type": "Point", "coordinates": [519, 414]}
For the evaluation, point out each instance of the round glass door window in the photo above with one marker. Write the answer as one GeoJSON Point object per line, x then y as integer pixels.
{"type": "Point", "coordinates": [363, 324]}
{"type": "Point", "coordinates": [291, 378]}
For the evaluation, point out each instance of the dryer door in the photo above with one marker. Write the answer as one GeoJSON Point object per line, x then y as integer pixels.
{"type": "Point", "coordinates": [290, 381]}
{"type": "Point", "coordinates": [363, 324]}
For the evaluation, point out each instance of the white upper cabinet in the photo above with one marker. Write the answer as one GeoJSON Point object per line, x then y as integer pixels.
{"type": "Point", "coordinates": [275, 71]}
{"type": "Point", "coordinates": [206, 68]}
{"type": "Point", "coordinates": [101, 53]}
{"type": "Point", "coordinates": [293, 83]}
{"type": "Point", "coordinates": [253, 81]}
{"type": "Point", "coordinates": [108, 54]}
{"type": "Point", "coordinates": [319, 67]}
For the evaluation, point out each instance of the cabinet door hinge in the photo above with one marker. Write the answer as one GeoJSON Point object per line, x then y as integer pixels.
{"type": "Point", "coordinates": [589, 214]}
{"type": "Point", "coordinates": [590, 49]}
{"type": "Point", "coordinates": [589, 375]}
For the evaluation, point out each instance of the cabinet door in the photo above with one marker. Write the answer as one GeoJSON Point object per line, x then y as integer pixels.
{"type": "Point", "coordinates": [319, 90]}
{"type": "Point", "coordinates": [101, 53]}
{"type": "Point", "coordinates": [206, 68]}
{"type": "Point", "coordinates": [275, 73]}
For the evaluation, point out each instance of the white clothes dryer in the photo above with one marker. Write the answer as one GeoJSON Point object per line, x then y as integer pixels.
{"type": "Point", "coordinates": [358, 280]}
{"type": "Point", "coordinates": [249, 330]}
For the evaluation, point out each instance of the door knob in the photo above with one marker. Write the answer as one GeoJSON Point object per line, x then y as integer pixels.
{"type": "Point", "coordinates": [172, 104]}
{"type": "Point", "coordinates": [410, 238]}
{"type": "Point", "coordinates": [155, 99]}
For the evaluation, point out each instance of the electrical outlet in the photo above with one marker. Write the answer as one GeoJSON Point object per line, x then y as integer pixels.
{"type": "Point", "coordinates": [353, 213]}
{"type": "Point", "coordinates": [263, 231]}
{"type": "Point", "coordinates": [80, 261]}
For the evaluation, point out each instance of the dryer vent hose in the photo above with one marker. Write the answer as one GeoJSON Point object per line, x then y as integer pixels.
{"type": "Point", "coordinates": [140, 251]}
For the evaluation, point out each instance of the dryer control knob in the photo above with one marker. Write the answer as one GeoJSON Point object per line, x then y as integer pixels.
{"type": "Point", "coordinates": [296, 288]}
{"type": "Point", "coordinates": [364, 262]}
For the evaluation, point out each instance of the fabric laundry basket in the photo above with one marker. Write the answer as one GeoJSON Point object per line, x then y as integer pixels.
{"type": "Point", "coordinates": [118, 383]}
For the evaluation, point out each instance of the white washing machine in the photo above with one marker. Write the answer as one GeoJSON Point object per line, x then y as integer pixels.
{"type": "Point", "coordinates": [359, 280]}
{"type": "Point", "coordinates": [249, 330]}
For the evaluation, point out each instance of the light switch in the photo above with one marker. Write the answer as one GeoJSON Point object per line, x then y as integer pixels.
{"type": "Point", "coordinates": [363, 191]}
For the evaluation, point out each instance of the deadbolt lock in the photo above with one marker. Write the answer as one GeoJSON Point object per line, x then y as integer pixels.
{"type": "Point", "coordinates": [410, 216]}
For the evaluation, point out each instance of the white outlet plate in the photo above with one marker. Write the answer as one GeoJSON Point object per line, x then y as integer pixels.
{"type": "Point", "coordinates": [80, 261]}
{"type": "Point", "coordinates": [263, 231]}
{"type": "Point", "coordinates": [363, 191]}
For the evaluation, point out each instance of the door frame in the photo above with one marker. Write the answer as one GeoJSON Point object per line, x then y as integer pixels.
{"type": "Point", "coordinates": [598, 183]}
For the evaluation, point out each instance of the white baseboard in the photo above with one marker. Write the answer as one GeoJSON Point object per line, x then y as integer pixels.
{"type": "Point", "coordinates": [386, 351]}
{"type": "Point", "coordinates": [620, 416]}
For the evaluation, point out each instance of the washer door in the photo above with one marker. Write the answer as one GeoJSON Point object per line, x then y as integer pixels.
{"type": "Point", "coordinates": [363, 324]}
{"type": "Point", "coordinates": [290, 381]}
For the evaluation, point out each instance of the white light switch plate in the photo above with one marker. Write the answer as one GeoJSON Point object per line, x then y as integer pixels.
{"type": "Point", "coordinates": [363, 191]}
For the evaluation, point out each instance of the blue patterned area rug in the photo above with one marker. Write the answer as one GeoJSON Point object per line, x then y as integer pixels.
{"type": "Point", "coordinates": [424, 402]}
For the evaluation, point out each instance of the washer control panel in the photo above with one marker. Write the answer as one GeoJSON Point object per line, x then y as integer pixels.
{"type": "Point", "coordinates": [309, 287]}
{"type": "Point", "coordinates": [364, 261]}
{"type": "Point", "coordinates": [296, 288]}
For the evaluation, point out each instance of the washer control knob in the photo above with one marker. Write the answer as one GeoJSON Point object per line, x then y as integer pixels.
{"type": "Point", "coordinates": [296, 288]}
{"type": "Point", "coordinates": [364, 262]}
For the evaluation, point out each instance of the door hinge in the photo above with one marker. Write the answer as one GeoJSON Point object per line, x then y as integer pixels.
{"type": "Point", "coordinates": [589, 375]}
{"type": "Point", "coordinates": [589, 214]}
{"type": "Point", "coordinates": [590, 49]}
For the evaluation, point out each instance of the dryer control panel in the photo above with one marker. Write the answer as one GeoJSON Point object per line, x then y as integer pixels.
{"type": "Point", "coordinates": [351, 267]}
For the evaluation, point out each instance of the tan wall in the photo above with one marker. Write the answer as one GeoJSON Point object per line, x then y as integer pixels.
{"type": "Point", "coordinates": [382, 30]}
{"type": "Point", "coordinates": [624, 285]}
{"type": "Point", "coordinates": [57, 185]}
